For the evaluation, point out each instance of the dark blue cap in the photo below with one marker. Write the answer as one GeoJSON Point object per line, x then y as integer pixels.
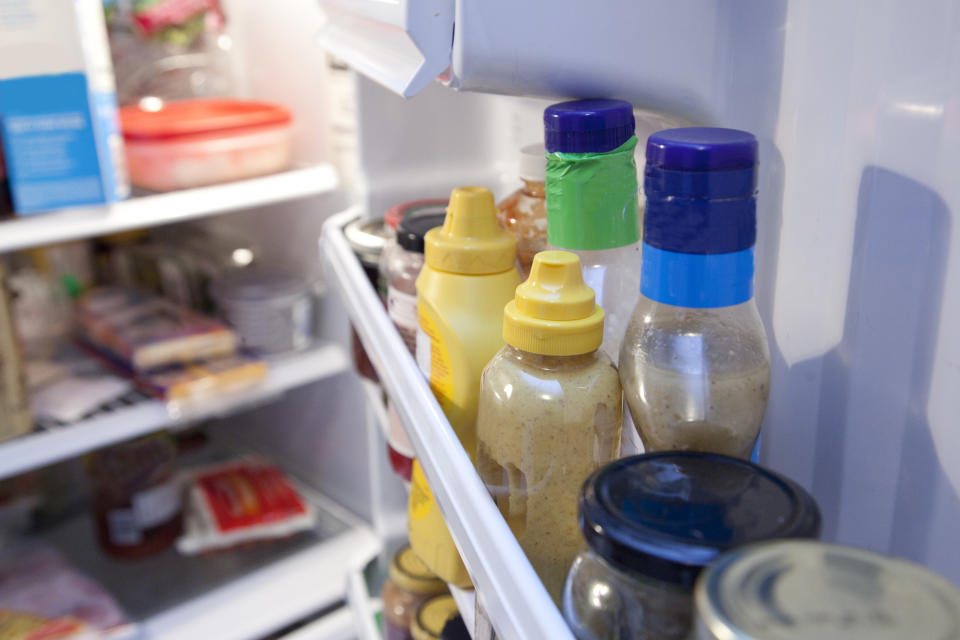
{"type": "Point", "coordinates": [700, 185]}
{"type": "Point", "coordinates": [702, 149]}
{"type": "Point", "coordinates": [587, 126]}
{"type": "Point", "coordinates": [667, 515]}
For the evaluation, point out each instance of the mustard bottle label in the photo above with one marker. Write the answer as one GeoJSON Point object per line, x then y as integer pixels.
{"type": "Point", "coordinates": [433, 358]}
{"type": "Point", "coordinates": [420, 497]}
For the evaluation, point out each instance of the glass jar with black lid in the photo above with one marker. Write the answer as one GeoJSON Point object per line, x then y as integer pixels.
{"type": "Point", "coordinates": [653, 522]}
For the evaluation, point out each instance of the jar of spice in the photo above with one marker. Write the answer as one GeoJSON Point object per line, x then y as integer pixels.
{"type": "Point", "coordinates": [137, 500]}
{"type": "Point", "coordinates": [803, 590]}
{"type": "Point", "coordinates": [410, 584]}
{"type": "Point", "coordinates": [367, 238]}
{"type": "Point", "coordinates": [550, 412]}
{"type": "Point", "coordinates": [524, 212]}
{"type": "Point", "coordinates": [400, 265]}
{"type": "Point", "coordinates": [653, 522]}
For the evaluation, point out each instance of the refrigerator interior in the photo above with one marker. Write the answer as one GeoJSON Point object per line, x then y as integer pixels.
{"type": "Point", "coordinates": [857, 109]}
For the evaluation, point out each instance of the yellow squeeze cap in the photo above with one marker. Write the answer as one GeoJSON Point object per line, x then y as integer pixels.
{"type": "Point", "coordinates": [554, 312]}
{"type": "Point", "coordinates": [470, 242]}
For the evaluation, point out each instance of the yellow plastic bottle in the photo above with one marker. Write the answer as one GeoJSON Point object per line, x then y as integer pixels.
{"type": "Point", "coordinates": [469, 276]}
{"type": "Point", "coordinates": [429, 537]}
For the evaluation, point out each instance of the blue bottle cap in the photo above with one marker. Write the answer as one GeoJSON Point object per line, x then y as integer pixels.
{"type": "Point", "coordinates": [702, 149]}
{"type": "Point", "coordinates": [587, 126]}
{"type": "Point", "coordinates": [667, 515]}
{"type": "Point", "coordinates": [700, 185]}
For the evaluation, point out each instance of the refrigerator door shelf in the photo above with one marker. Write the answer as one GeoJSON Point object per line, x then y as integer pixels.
{"type": "Point", "coordinates": [401, 44]}
{"type": "Point", "coordinates": [515, 600]}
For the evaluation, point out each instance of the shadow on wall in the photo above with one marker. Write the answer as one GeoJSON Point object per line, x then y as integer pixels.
{"type": "Point", "coordinates": [876, 472]}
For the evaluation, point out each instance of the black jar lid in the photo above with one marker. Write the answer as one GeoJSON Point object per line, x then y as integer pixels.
{"type": "Point", "coordinates": [411, 230]}
{"type": "Point", "coordinates": [667, 515]}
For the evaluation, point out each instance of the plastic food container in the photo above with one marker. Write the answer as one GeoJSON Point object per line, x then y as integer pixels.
{"type": "Point", "coordinates": [410, 584]}
{"type": "Point", "coordinates": [653, 522]}
{"type": "Point", "coordinates": [271, 311]}
{"type": "Point", "coordinates": [191, 143]}
{"type": "Point", "coordinates": [803, 590]}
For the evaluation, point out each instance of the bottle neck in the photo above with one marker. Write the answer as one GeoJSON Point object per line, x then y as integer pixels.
{"type": "Point", "coordinates": [547, 362]}
{"type": "Point", "coordinates": [702, 281]}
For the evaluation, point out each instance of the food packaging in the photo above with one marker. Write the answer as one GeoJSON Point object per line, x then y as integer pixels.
{"type": "Point", "coordinates": [61, 142]}
{"type": "Point", "coordinates": [192, 143]}
{"type": "Point", "coordinates": [242, 501]}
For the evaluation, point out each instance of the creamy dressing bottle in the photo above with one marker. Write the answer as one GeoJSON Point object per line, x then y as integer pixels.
{"type": "Point", "coordinates": [550, 412]}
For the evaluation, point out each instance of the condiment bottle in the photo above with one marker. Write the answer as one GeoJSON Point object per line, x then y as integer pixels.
{"type": "Point", "coordinates": [470, 273]}
{"type": "Point", "coordinates": [410, 584]}
{"type": "Point", "coordinates": [592, 202]}
{"type": "Point", "coordinates": [429, 537]}
{"type": "Point", "coordinates": [653, 522]}
{"type": "Point", "coordinates": [524, 212]}
{"type": "Point", "coordinates": [550, 412]}
{"type": "Point", "coordinates": [694, 363]}
{"type": "Point", "coordinates": [804, 590]}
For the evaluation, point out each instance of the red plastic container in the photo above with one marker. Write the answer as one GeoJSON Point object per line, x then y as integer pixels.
{"type": "Point", "coordinates": [192, 143]}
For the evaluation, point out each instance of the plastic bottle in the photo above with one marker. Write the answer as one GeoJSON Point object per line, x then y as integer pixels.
{"type": "Point", "coordinates": [524, 212]}
{"type": "Point", "coordinates": [695, 366]}
{"type": "Point", "coordinates": [550, 413]}
{"type": "Point", "coordinates": [469, 275]}
{"type": "Point", "coordinates": [592, 202]}
{"type": "Point", "coordinates": [429, 536]}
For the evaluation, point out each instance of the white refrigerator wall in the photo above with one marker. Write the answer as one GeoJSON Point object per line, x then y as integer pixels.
{"type": "Point", "coordinates": [857, 108]}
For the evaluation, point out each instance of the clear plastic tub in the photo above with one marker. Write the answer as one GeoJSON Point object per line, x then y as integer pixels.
{"type": "Point", "coordinates": [192, 143]}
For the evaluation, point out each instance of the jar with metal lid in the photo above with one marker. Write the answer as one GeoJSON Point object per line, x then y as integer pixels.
{"type": "Point", "coordinates": [409, 585]}
{"type": "Point", "coordinates": [400, 265]}
{"type": "Point", "coordinates": [653, 522]}
{"type": "Point", "coordinates": [432, 617]}
{"type": "Point", "coordinates": [804, 590]}
{"type": "Point", "coordinates": [367, 238]}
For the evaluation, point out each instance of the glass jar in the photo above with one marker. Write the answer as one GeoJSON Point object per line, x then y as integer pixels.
{"type": "Point", "coordinates": [367, 238]}
{"type": "Point", "coordinates": [549, 414]}
{"type": "Point", "coordinates": [136, 496]}
{"type": "Point", "coordinates": [653, 522]}
{"type": "Point", "coordinates": [524, 212]}
{"type": "Point", "coordinates": [801, 590]}
{"type": "Point", "coordinates": [432, 616]}
{"type": "Point", "coordinates": [400, 265]}
{"type": "Point", "coordinates": [410, 584]}
{"type": "Point", "coordinates": [694, 364]}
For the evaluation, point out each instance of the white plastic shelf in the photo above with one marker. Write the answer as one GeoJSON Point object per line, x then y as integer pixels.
{"type": "Point", "coordinates": [127, 421]}
{"type": "Point", "coordinates": [164, 208]}
{"type": "Point", "coordinates": [240, 594]}
{"type": "Point", "coordinates": [514, 598]}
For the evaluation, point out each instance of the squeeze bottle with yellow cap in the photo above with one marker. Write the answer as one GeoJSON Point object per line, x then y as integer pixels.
{"type": "Point", "coordinates": [550, 413]}
{"type": "Point", "coordinates": [470, 273]}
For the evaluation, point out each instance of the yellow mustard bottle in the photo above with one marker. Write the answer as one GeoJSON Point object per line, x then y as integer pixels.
{"type": "Point", "coordinates": [469, 275]}
{"type": "Point", "coordinates": [429, 537]}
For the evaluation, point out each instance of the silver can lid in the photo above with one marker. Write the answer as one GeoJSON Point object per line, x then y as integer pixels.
{"type": "Point", "coordinates": [805, 590]}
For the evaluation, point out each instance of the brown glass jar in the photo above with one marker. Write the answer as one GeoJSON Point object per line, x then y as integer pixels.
{"type": "Point", "coordinates": [410, 584]}
{"type": "Point", "coordinates": [137, 500]}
